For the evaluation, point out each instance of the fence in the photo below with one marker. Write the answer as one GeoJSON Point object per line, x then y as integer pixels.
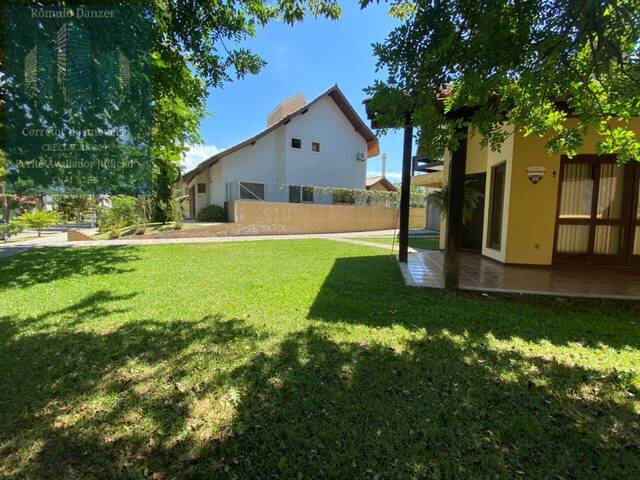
{"type": "Point", "coordinates": [310, 194]}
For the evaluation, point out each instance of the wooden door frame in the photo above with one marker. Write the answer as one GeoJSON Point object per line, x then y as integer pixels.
{"type": "Point", "coordinates": [635, 221]}
{"type": "Point", "coordinates": [592, 258]}
{"type": "Point", "coordinates": [490, 212]}
{"type": "Point", "coordinates": [192, 201]}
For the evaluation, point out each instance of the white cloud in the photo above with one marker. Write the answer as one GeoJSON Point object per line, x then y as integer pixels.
{"type": "Point", "coordinates": [197, 154]}
{"type": "Point", "coordinates": [391, 176]}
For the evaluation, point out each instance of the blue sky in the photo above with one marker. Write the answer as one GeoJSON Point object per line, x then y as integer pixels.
{"type": "Point", "coordinates": [308, 58]}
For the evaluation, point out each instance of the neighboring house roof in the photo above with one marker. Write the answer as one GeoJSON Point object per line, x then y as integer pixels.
{"type": "Point", "coordinates": [382, 181]}
{"type": "Point", "coordinates": [336, 95]}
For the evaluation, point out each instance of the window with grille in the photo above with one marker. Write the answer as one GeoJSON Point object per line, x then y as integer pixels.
{"type": "Point", "coordinates": [294, 194]}
{"type": "Point", "coordinates": [252, 191]}
{"type": "Point", "coordinates": [307, 194]}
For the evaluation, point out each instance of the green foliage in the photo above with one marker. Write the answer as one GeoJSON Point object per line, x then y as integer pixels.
{"type": "Point", "coordinates": [8, 230]}
{"type": "Point", "coordinates": [196, 46]}
{"type": "Point", "coordinates": [359, 196]}
{"type": "Point", "coordinates": [472, 199]}
{"type": "Point", "coordinates": [530, 64]}
{"type": "Point", "coordinates": [74, 207]}
{"type": "Point", "coordinates": [124, 211]}
{"type": "Point", "coordinates": [212, 213]}
{"type": "Point", "coordinates": [38, 220]}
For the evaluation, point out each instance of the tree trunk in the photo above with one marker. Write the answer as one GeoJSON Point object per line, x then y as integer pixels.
{"type": "Point", "coordinates": [5, 207]}
{"type": "Point", "coordinates": [455, 202]}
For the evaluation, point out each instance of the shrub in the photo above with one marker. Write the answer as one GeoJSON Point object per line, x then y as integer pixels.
{"type": "Point", "coordinates": [212, 213]}
{"type": "Point", "coordinates": [472, 199]}
{"type": "Point", "coordinates": [38, 220]}
{"type": "Point", "coordinates": [113, 234]}
{"type": "Point", "coordinates": [123, 213]}
{"type": "Point", "coordinates": [7, 230]}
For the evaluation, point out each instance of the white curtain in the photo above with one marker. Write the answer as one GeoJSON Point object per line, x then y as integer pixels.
{"type": "Point", "coordinates": [608, 240]}
{"type": "Point", "coordinates": [575, 203]}
{"type": "Point", "coordinates": [573, 239]}
{"type": "Point", "coordinates": [611, 191]}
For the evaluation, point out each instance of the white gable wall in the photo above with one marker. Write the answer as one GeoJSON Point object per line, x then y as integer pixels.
{"type": "Point", "coordinates": [272, 160]}
{"type": "Point", "coordinates": [336, 164]}
{"type": "Point", "coordinates": [253, 163]}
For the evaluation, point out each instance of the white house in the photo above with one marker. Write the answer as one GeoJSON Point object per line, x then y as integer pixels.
{"type": "Point", "coordinates": [321, 143]}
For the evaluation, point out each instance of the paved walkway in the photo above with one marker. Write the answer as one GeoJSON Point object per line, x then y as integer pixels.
{"type": "Point", "coordinates": [59, 241]}
{"type": "Point", "coordinates": [425, 269]}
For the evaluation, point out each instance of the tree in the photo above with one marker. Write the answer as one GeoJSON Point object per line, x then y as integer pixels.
{"type": "Point", "coordinates": [529, 63]}
{"type": "Point", "coordinates": [38, 220]}
{"type": "Point", "coordinates": [74, 207]}
{"type": "Point", "coordinates": [124, 212]}
{"type": "Point", "coordinates": [194, 47]}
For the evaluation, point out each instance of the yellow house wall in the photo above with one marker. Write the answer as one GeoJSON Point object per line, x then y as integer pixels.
{"type": "Point", "coordinates": [532, 212]}
{"type": "Point", "coordinates": [476, 154]}
{"type": "Point", "coordinates": [529, 213]}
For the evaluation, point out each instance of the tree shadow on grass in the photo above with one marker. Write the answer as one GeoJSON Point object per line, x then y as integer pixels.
{"type": "Point", "coordinates": [200, 399]}
{"type": "Point", "coordinates": [370, 291]}
{"type": "Point", "coordinates": [49, 264]}
{"type": "Point", "coordinates": [75, 403]}
{"type": "Point", "coordinates": [443, 406]}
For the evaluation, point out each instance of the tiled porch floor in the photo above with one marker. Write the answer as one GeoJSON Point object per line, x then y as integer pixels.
{"type": "Point", "coordinates": [481, 273]}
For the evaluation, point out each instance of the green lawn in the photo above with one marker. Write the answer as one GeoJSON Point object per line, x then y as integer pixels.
{"type": "Point", "coordinates": [302, 359]}
{"type": "Point", "coordinates": [415, 241]}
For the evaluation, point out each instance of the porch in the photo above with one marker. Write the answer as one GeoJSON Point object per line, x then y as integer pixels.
{"type": "Point", "coordinates": [425, 268]}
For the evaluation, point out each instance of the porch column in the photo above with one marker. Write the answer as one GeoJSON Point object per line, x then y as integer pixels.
{"type": "Point", "coordinates": [405, 193]}
{"type": "Point", "coordinates": [455, 202]}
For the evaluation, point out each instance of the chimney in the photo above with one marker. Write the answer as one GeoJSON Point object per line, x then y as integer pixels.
{"type": "Point", "coordinates": [383, 164]}
{"type": "Point", "coordinates": [286, 107]}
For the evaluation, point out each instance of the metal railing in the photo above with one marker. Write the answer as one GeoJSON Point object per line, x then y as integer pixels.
{"type": "Point", "coordinates": [289, 193]}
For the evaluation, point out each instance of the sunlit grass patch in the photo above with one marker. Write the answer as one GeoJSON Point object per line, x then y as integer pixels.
{"type": "Point", "coordinates": [304, 358]}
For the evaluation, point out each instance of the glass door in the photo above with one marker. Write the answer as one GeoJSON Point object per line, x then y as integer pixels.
{"type": "Point", "coordinates": [594, 207]}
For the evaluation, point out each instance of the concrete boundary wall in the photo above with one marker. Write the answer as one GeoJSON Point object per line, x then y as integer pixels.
{"type": "Point", "coordinates": [262, 218]}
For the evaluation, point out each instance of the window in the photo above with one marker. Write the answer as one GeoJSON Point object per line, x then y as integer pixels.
{"type": "Point", "coordinates": [202, 188]}
{"type": "Point", "coordinates": [294, 194]}
{"type": "Point", "coordinates": [497, 201]}
{"type": "Point", "coordinates": [296, 144]}
{"type": "Point", "coordinates": [252, 191]}
{"type": "Point", "coordinates": [307, 194]}
{"type": "Point", "coordinates": [315, 147]}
